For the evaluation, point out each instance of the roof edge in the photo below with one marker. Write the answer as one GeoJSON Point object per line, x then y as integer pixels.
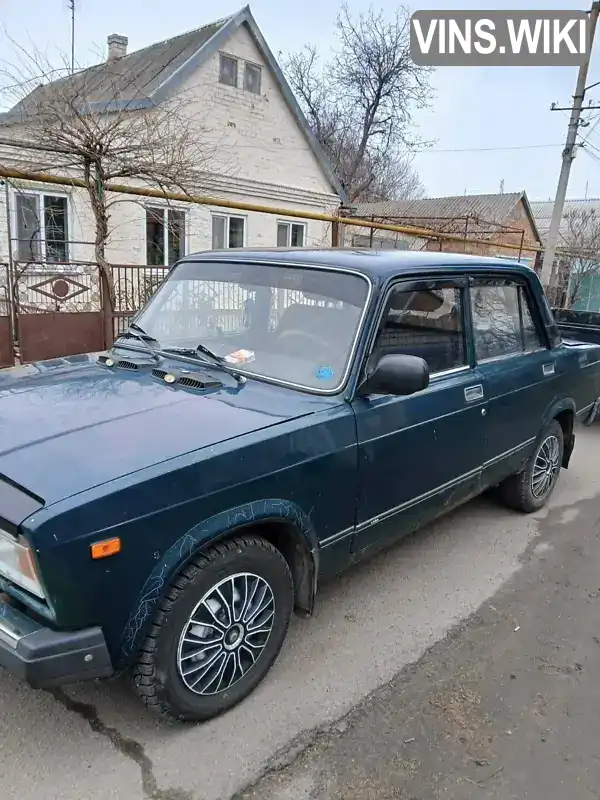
{"type": "Point", "coordinates": [526, 204]}
{"type": "Point", "coordinates": [212, 45]}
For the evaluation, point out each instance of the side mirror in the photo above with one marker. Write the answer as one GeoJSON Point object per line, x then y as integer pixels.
{"type": "Point", "coordinates": [398, 375]}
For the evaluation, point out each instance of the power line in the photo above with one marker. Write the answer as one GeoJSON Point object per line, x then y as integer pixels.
{"type": "Point", "coordinates": [487, 149]}
{"type": "Point", "coordinates": [591, 130]}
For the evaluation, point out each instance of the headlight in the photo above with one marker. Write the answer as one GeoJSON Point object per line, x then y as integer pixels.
{"type": "Point", "coordinates": [17, 564]}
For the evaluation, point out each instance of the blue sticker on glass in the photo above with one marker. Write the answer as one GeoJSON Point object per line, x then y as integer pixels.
{"type": "Point", "coordinates": [324, 373]}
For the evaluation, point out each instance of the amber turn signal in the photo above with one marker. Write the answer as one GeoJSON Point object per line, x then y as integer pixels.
{"type": "Point", "coordinates": [108, 547]}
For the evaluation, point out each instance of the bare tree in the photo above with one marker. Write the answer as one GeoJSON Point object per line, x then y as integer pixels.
{"type": "Point", "coordinates": [360, 103]}
{"type": "Point", "coordinates": [581, 244]}
{"type": "Point", "coordinates": [92, 126]}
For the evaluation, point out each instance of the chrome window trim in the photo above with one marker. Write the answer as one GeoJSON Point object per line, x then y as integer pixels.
{"type": "Point", "coordinates": [454, 371]}
{"type": "Point", "coordinates": [506, 356]}
{"type": "Point", "coordinates": [294, 265]}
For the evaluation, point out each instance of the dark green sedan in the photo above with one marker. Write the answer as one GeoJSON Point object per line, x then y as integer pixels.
{"type": "Point", "coordinates": [268, 419]}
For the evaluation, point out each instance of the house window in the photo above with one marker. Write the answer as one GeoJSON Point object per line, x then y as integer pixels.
{"type": "Point", "coordinates": [291, 234]}
{"type": "Point", "coordinates": [252, 78]}
{"type": "Point", "coordinates": [42, 227]}
{"type": "Point", "coordinates": [227, 231]}
{"type": "Point", "coordinates": [228, 70]}
{"type": "Point", "coordinates": [165, 236]}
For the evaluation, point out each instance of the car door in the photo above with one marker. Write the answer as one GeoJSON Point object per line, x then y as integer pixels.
{"type": "Point", "coordinates": [423, 453]}
{"type": "Point", "coordinates": [517, 366]}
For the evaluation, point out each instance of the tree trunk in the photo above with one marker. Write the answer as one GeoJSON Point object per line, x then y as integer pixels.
{"type": "Point", "coordinates": [95, 185]}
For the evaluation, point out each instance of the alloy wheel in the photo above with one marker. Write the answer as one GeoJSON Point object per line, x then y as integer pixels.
{"type": "Point", "coordinates": [226, 633]}
{"type": "Point", "coordinates": [546, 467]}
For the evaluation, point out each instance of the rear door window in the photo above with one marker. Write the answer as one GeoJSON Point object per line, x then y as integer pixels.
{"type": "Point", "coordinates": [531, 334]}
{"type": "Point", "coordinates": [502, 321]}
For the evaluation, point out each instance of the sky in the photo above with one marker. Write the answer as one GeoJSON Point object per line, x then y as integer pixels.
{"type": "Point", "coordinates": [486, 125]}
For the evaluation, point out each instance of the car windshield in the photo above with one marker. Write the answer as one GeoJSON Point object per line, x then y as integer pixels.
{"type": "Point", "coordinates": [286, 323]}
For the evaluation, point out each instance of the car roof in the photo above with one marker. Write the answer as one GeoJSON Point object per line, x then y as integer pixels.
{"type": "Point", "coordinates": [374, 263]}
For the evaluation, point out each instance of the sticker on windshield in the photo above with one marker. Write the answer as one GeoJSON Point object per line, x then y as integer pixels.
{"type": "Point", "coordinates": [240, 357]}
{"type": "Point", "coordinates": [324, 373]}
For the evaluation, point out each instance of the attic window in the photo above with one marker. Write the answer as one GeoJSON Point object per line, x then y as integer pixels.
{"type": "Point", "coordinates": [252, 78]}
{"type": "Point", "coordinates": [228, 70]}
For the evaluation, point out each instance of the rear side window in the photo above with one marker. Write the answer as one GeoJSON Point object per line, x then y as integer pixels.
{"type": "Point", "coordinates": [502, 321]}
{"type": "Point", "coordinates": [427, 323]}
{"type": "Point", "coordinates": [531, 335]}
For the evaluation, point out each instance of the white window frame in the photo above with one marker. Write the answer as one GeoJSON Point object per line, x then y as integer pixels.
{"type": "Point", "coordinates": [228, 218]}
{"type": "Point", "coordinates": [39, 194]}
{"type": "Point", "coordinates": [260, 71]}
{"type": "Point", "coordinates": [237, 71]}
{"type": "Point", "coordinates": [289, 223]}
{"type": "Point", "coordinates": [165, 210]}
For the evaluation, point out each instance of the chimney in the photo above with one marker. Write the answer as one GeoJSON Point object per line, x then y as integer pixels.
{"type": "Point", "coordinates": [117, 46]}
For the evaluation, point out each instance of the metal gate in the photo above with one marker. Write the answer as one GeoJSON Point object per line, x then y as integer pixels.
{"type": "Point", "coordinates": [52, 310]}
{"type": "Point", "coordinates": [58, 310]}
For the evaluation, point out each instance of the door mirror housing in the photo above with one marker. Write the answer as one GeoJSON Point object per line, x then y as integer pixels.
{"type": "Point", "coordinates": [398, 375]}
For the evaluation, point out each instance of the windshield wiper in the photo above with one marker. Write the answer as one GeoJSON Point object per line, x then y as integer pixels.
{"type": "Point", "coordinates": [201, 349]}
{"type": "Point", "coordinates": [136, 332]}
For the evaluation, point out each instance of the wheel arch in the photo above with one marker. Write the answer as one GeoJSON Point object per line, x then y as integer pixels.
{"type": "Point", "coordinates": [281, 522]}
{"type": "Point", "coordinates": [563, 411]}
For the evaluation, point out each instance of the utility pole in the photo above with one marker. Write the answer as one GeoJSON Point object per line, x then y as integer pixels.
{"type": "Point", "coordinates": [568, 154]}
{"type": "Point", "coordinates": [72, 8]}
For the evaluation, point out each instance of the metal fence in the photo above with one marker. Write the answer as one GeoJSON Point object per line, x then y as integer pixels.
{"type": "Point", "coordinates": [55, 309]}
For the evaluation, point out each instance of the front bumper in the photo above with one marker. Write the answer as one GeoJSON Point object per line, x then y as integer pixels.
{"type": "Point", "coordinates": [45, 657]}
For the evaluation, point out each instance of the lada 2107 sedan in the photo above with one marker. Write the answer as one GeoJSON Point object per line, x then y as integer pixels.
{"type": "Point", "coordinates": [269, 418]}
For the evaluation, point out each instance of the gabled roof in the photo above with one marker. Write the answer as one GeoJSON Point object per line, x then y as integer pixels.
{"type": "Point", "coordinates": [127, 82]}
{"type": "Point", "coordinates": [149, 76]}
{"type": "Point", "coordinates": [494, 208]}
{"type": "Point", "coordinates": [487, 206]}
{"type": "Point", "coordinates": [542, 212]}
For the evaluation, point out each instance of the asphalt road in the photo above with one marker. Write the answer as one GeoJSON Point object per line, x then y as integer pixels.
{"type": "Point", "coordinates": [315, 714]}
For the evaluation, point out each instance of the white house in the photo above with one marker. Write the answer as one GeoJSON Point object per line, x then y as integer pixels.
{"type": "Point", "coordinates": [226, 69]}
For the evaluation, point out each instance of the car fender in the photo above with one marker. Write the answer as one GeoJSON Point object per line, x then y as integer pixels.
{"type": "Point", "coordinates": [554, 409]}
{"type": "Point", "coordinates": [204, 534]}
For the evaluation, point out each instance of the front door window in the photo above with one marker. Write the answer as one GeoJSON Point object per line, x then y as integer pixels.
{"type": "Point", "coordinates": [427, 323]}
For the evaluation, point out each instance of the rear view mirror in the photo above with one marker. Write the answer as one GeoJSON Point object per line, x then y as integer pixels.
{"type": "Point", "coordinates": [398, 375]}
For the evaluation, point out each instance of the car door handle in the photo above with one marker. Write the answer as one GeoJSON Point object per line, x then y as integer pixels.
{"type": "Point", "coordinates": [473, 393]}
{"type": "Point", "coordinates": [548, 369]}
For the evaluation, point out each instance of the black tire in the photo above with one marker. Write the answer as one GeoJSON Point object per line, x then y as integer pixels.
{"type": "Point", "coordinates": [157, 676]}
{"type": "Point", "coordinates": [517, 491]}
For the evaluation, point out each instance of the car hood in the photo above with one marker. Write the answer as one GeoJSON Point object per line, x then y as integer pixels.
{"type": "Point", "coordinates": [74, 424]}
